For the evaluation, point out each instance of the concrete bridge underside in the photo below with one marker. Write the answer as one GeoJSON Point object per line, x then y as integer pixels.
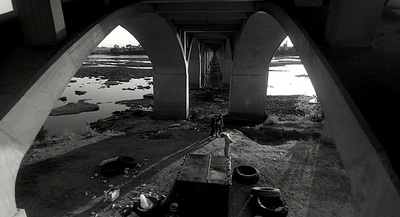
{"type": "Point", "coordinates": [354, 73]}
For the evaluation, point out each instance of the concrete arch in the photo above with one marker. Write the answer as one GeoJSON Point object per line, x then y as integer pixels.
{"type": "Point", "coordinates": [20, 125]}
{"type": "Point", "coordinates": [194, 65]}
{"type": "Point", "coordinates": [170, 77]}
{"type": "Point", "coordinates": [373, 181]}
{"type": "Point", "coordinates": [260, 37]}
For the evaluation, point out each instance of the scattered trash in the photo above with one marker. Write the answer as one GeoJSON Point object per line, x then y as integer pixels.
{"type": "Point", "coordinates": [117, 165]}
{"type": "Point", "coordinates": [268, 202]}
{"type": "Point", "coordinates": [111, 194]}
{"type": "Point", "coordinates": [145, 203]}
{"type": "Point", "coordinates": [246, 174]}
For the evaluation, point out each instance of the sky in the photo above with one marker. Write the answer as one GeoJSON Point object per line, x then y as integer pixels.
{"type": "Point", "coordinates": [118, 36]}
{"type": "Point", "coordinates": [122, 37]}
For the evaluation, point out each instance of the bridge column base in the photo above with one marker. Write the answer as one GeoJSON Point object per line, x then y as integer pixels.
{"type": "Point", "coordinates": [171, 96]}
{"type": "Point", "coordinates": [247, 98]}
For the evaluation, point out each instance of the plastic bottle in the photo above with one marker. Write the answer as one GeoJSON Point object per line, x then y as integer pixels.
{"type": "Point", "coordinates": [143, 202]}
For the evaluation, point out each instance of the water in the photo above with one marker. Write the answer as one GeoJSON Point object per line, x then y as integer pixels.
{"type": "Point", "coordinates": [98, 93]}
{"type": "Point", "coordinates": [287, 76]}
{"type": "Point", "coordinates": [125, 61]}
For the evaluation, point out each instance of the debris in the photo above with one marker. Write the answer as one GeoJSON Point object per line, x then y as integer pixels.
{"type": "Point", "coordinates": [111, 194]}
{"type": "Point", "coordinates": [108, 160]}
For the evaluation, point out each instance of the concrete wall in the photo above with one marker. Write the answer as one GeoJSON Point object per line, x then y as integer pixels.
{"type": "Point", "coordinates": [372, 185]}
{"type": "Point", "coordinates": [258, 41]}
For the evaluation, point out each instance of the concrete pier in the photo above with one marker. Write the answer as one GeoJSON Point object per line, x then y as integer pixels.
{"type": "Point", "coordinates": [259, 39]}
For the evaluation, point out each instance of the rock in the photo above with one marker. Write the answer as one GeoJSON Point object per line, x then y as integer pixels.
{"type": "Point", "coordinates": [74, 108]}
{"type": "Point", "coordinates": [218, 100]}
{"type": "Point", "coordinates": [80, 92]}
{"type": "Point", "coordinates": [63, 98]}
{"type": "Point", "coordinates": [111, 83]}
{"type": "Point", "coordinates": [148, 96]}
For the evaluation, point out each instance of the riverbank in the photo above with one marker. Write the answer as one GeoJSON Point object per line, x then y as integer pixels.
{"type": "Point", "coordinates": [287, 151]}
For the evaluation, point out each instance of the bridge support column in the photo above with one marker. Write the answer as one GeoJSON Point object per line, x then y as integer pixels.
{"type": "Point", "coordinates": [12, 154]}
{"type": "Point", "coordinates": [42, 21]}
{"type": "Point", "coordinates": [226, 65]}
{"type": "Point", "coordinates": [21, 124]}
{"type": "Point", "coordinates": [353, 22]}
{"type": "Point", "coordinates": [171, 96]}
{"type": "Point", "coordinates": [373, 181]}
{"type": "Point", "coordinates": [259, 39]}
{"type": "Point", "coordinates": [206, 56]}
{"type": "Point", "coordinates": [171, 82]}
{"type": "Point", "coordinates": [194, 65]}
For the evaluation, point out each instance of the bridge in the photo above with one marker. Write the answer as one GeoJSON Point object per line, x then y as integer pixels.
{"type": "Point", "coordinates": [350, 50]}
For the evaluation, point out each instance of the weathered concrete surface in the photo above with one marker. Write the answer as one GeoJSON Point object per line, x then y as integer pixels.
{"type": "Point", "coordinates": [347, 82]}
{"type": "Point", "coordinates": [194, 65]}
{"type": "Point", "coordinates": [345, 27]}
{"type": "Point", "coordinates": [224, 56]}
{"type": "Point", "coordinates": [259, 39]}
{"type": "Point", "coordinates": [41, 86]}
{"type": "Point", "coordinates": [170, 70]}
{"type": "Point", "coordinates": [42, 21]}
{"type": "Point", "coordinates": [227, 64]}
{"type": "Point", "coordinates": [374, 183]}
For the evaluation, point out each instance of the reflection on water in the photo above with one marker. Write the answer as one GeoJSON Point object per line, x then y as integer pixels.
{"type": "Point", "coordinates": [96, 93]}
{"type": "Point", "coordinates": [125, 61]}
{"type": "Point", "coordinates": [287, 76]}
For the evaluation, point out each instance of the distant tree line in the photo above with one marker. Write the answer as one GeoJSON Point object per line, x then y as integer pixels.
{"type": "Point", "coordinates": [285, 50]}
{"type": "Point", "coordinates": [128, 49]}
